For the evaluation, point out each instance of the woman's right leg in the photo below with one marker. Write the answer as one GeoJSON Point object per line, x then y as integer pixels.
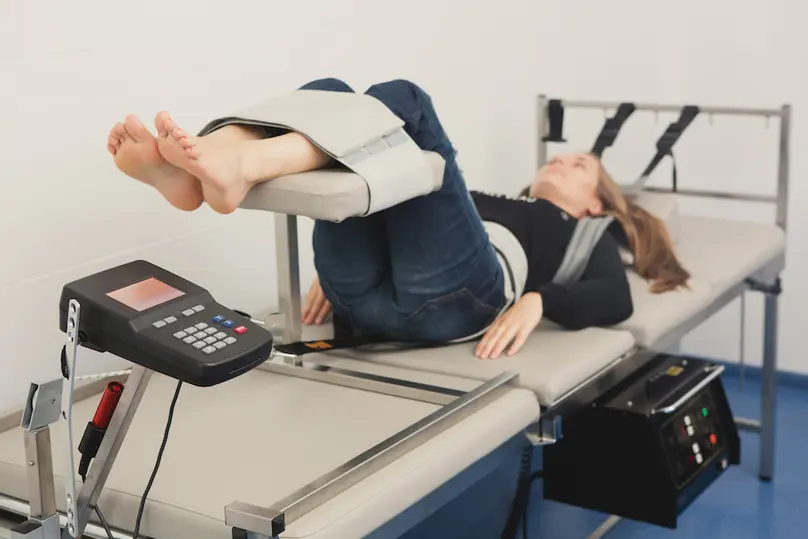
{"type": "Point", "coordinates": [447, 280]}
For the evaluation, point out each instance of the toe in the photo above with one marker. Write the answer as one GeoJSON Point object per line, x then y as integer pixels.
{"type": "Point", "coordinates": [179, 134]}
{"type": "Point", "coordinates": [192, 152]}
{"type": "Point", "coordinates": [136, 129]}
{"type": "Point", "coordinates": [168, 121]}
{"type": "Point", "coordinates": [185, 142]}
{"type": "Point", "coordinates": [112, 149]}
{"type": "Point", "coordinates": [160, 123]}
{"type": "Point", "coordinates": [119, 131]}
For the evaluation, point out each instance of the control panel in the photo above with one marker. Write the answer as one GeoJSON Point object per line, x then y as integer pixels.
{"type": "Point", "coordinates": [693, 437]}
{"type": "Point", "coordinates": [157, 319]}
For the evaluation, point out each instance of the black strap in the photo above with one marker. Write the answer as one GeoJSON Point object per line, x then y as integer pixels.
{"type": "Point", "coordinates": [555, 121]}
{"type": "Point", "coordinates": [611, 128]}
{"type": "Point", "coordinates": [666, 142]}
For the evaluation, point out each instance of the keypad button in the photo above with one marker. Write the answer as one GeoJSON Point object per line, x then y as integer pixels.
{"type": "Point", "coordinates": [696, 448]}
{"type": "Point", "coordinates": [228, 323]}
{"type": "Point", "coordinates": [159, 324]}
{"type": "Point", "coordinates": [221, 335]}
{"type": "Point", "coordinates": [230, 340]}
{"type": "Point", "coordinates": [180, 335]}
{"type": "Point", "coordinates": [211, 331]}
{"type": "Point", "coordinates": [199, 345]}
{"type": "Point", "coordinates": [699, 459]}
{"type": "Point", "coordinates": [210, 340]}
{"type": "Point", "coordinates": [188, 312]}
{"type": "Point", "coordinates": [170, 319]}
{"type": "Point", "coordinates": [219, 345]}
{"type": "Point", "coordinates": [199, 308]}
{"type": "Point", "coordinates": [201, 325]}
{"type": "Point", "coordinates": [200, 335]}
{"type": "Point", "coordinates": [191, 330]}
{"type": "Point", "coordinates": [189, 339]}
{"type": "Point", "coordinates": [209, 349]}
{"type": "Point", "coordinates": [218, 318]}
{"type": "Point", "coordinates": [239, 330]}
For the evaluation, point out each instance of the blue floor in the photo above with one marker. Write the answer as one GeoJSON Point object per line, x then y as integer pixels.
{"type": "Point", "coordinates": [738, 505]}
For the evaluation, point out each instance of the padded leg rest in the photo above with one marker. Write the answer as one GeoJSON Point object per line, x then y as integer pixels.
{"type": "Point", "coordinates": [383, 165]}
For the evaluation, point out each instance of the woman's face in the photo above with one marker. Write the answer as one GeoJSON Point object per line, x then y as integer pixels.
{"type": "Point", "coordinates": [570, 180]}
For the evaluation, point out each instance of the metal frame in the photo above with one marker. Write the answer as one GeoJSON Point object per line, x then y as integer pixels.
{"type": "Point", "coordinates": [765, 279]}
{"type": "Point", "coordinates": [52, 402]}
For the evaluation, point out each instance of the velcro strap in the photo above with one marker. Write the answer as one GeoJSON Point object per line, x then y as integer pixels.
{"type": "Point", "coordinates": [665, 145]}
{"type": "Point", "coordinates": [585, 238]}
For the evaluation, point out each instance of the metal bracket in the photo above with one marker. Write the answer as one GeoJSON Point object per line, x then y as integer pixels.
{"type": "Point", "coordinates": [37, 529]}
{"type": "Point", "coordinates": [547, 432]}
{"type": "Point", "coordinates": [68, 386]}
{"type": "Point", "coordinates": [771, 289]}
{"type": "Point", "coordinates": [43, 406]}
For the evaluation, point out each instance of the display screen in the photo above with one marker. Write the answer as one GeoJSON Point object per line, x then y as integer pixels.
{"type": "Point", "coordinates": [145, 294]}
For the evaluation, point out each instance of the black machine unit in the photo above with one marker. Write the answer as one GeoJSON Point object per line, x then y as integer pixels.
{"type": "Point", "coordinates": [649, 447]}
{"type": "Point", "coordinates": [154, 318]}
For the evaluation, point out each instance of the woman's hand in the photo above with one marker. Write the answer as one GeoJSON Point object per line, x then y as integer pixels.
{"type": "Point", "coordinates": [512, 328]}
{"type": "Point", "coordinates": [317, 307]}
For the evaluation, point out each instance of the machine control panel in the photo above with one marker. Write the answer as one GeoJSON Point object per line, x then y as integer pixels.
{"type": "Point", "coordinates": [157, 319]}
{"type": "Point", "coordinates": [693, 437]}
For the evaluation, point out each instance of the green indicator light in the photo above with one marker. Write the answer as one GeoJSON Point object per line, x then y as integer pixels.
{"type": "Point", "coordinates": [704, 412]}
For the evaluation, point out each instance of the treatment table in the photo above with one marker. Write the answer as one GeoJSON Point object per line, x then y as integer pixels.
{"type": "Point", "coordinates": [369, 441]}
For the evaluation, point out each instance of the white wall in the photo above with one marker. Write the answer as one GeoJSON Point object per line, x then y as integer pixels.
{"type": "Point", "coordinates": [70, 70]}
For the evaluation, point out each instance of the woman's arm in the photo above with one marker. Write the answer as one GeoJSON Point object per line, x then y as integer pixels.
{"type": "Point", "coordinates": [601, 297]}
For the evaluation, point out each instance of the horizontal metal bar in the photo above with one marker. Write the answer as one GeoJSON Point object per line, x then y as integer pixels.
{"type": "Point", "coordinates": [263, 520]}
{"type": "Point", "coordinates": [749, 425]}
{"type": "Point", "coordinates": [714, 194]}
{"type": "Point", "coordinates": [93, 531]}
{"type": "Point", "coordinates": [605, 527]}
{"type": "Point", "coordinates": [664, 107]}
{"type": "Point", "coordinates": [599, 383]}
{"type": "Point", "coordinates": [310, 370]}
{"type": "Point", "coordinates": [716, 372]}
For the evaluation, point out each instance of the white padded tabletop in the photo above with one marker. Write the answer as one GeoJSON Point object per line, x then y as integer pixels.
{"type": "Point", "coordinates": [552, 362]}
{"type": "Point", "coordinates": [262, 436]}
{"type": "Point", "coordinates": [719, 254]}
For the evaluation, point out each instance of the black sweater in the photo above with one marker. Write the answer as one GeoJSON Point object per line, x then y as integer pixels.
{"type": "Point", "coordinates": [601, 297]}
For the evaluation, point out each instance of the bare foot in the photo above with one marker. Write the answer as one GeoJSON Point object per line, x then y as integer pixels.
{"type": "Point", "coordinates": [227, 162]}
{"type": "Point", "coordinates": [135, 152]}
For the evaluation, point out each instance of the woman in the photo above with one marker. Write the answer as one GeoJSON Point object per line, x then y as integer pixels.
{"type": "Point", "coordinates": [423, 270]}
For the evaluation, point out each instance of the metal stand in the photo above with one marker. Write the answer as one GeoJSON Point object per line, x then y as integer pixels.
{"type": "Point", "coordinates": [768, 403]}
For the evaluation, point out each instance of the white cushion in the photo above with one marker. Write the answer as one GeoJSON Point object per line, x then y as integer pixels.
{"type": "Point", "coordinates": [552, 362]}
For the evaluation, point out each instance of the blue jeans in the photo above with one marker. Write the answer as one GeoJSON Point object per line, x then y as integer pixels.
{"type": "Point", "coordinates": [423, 270]}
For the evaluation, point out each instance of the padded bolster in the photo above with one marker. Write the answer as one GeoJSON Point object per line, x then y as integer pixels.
{"type": "Point", "coordinates": [328, 194]}
{"type": "Point", "coordinates": [356, 130]}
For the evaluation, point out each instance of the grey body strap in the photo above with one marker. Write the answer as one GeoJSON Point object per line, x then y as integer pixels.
{"type": "Point", "coordinates": [586, 236]}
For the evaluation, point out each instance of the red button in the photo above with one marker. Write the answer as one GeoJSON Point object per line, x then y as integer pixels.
{"type": "Point", "coordinates": [713, 439]}
{"type": "Point", "coordinates": [240, 330]}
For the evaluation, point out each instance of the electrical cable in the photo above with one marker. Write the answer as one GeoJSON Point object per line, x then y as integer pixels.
{"type": "Point", "coordinates": [157, 464]}
{"type": "Point", "coordinates": [97, 509]}
{"type": "Point", "coordinates": [104, 522]}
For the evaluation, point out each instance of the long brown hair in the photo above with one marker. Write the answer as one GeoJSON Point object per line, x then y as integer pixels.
{"type": "Point", "coordinates": [648, 238]}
